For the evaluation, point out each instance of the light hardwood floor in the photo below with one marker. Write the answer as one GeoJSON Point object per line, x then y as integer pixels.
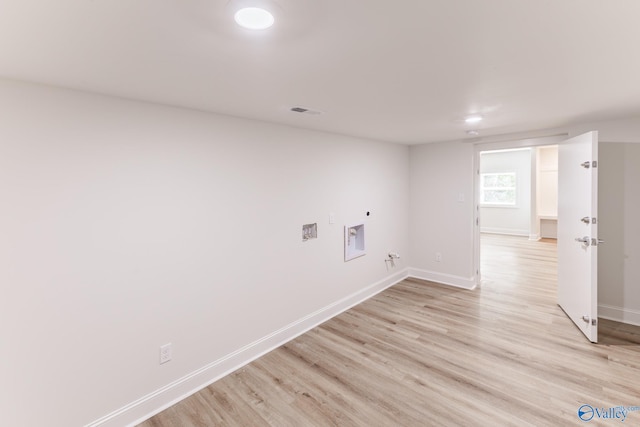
{"type": "Point", "coordinates": [423, 354]}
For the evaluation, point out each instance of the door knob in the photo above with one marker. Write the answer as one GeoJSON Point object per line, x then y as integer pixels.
{"type": "Point", "coordinates": [584, 240]}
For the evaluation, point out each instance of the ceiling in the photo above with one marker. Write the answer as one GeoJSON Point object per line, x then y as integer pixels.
{"type": "Point", "coordinates": [406, 71]}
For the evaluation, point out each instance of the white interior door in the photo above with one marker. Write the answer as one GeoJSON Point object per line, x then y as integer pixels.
{"type": "Point", "coordinates": [578, 231]}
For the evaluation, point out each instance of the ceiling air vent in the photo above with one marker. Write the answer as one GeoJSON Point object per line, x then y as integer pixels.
{"type": "Point", "coordinates": [304, 110]}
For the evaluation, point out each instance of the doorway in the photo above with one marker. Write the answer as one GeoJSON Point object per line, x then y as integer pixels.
{"type": "Point", "coordinates": [517, 198]}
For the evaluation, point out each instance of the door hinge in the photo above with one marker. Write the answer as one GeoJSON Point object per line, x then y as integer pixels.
{"type": "Point", "coordinates": [588, 220]}
{"type": "Point", "coordinates": [587, 165]}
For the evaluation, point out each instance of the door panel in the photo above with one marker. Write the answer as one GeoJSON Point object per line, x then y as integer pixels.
{"type": "Point", "coordinates": [577, 208]}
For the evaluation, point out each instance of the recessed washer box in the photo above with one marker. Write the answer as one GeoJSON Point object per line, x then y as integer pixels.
{"type": "Point", "coordinates": [354, 241]}
{"type": "Point", "coordinates": [309, 231]}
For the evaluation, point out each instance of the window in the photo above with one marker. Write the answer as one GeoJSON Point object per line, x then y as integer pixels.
{"type": "Point", "coordinates": [498, 189]}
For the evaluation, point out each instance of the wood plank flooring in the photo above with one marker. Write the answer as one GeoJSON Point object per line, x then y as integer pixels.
{"type": "Point", "coordinates": [424, 354]}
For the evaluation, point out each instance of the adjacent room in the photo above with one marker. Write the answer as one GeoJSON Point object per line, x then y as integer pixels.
{"type": "Point", "coordinates": [518, 200]}
{"type": "Point", "coordinates": [299, 212]}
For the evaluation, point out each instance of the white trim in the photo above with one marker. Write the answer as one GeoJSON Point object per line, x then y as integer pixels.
{"type": "Point", "coordinates": [446, 279]}
{"type": "Point", "coordinates": [509, 231]}
{"type": "Point", "coordinates": [548, 217]}
{"type": "Point", "coordinates": [508, 142]}
{"type": "Point", "coordinates": [506, 150]}
{"type": "Point", "coordinates": [157, 401]}
{"type": "Point", "coordinates": [619, 314]}
{"type": "Point", "coordinates": [496, 205]}
{"type": "Point", "coordinates": [534, 237]}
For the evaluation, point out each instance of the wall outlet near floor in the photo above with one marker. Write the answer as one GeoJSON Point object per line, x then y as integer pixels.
{"type": "Point", "coordinates": [438, 257]}
{"type": "Point", "coordinates": [165, 353]}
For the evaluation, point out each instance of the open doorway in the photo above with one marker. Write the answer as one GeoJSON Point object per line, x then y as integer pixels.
{"type": "Point", "coordinates": [516, 194]}
{"type": "Point", "coordinates": [518, 209]}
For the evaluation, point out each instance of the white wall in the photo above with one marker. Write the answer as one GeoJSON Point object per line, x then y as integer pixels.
{"type": "Point", "coordinates": [619, 211]}
{"type": "Point", "coordinates": [547, 174]}
{"type": "Point", "coordinates": [514, 220]}
{"type": "Point", "coordinates": [441, 213]}
{"type": "Point", "coordinates": [127, 225]}
{"type": "Point", "coordinates": [547, 192]}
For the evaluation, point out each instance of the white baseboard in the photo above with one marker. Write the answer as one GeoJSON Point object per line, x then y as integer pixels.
{"type": "Point", "coordinates": [447, 279]}
{"type": "Point", "coordinates": [155, 402]}
{"type": "Point", "coordinates": [507, 231]}
{"type": "Point", "coordinates": [534, 237]}
{"type": "Point", "coordinates": [619, 314]}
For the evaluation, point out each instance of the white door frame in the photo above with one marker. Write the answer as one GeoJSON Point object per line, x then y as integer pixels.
{"type": "Point", "coordinates": [490, 146]}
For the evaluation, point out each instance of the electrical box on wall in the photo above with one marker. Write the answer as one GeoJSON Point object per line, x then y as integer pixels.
{"type": "Point", "coordinates": [353, 241]}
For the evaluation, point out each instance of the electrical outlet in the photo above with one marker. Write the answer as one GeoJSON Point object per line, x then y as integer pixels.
{"type": "Point", "coordinates": [438, 257]}
{"type": "Point", "coordinates": [332, 218]}
{"type": "Point", "coordinates": [165, 353]}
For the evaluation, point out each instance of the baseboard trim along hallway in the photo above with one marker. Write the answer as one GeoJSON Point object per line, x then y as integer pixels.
{"type": "Point", "coordinates": [619, 314]}
{"type": "Point", "coordinates": [443, 278]}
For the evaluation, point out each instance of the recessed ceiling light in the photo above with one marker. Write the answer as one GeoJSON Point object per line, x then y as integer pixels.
{"type": "Point", "coordinates": [473, 132]}
{"type": "Point", "coordinates": [473, 119]}
{"type": "Point", "coordinates": [254, 18]}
